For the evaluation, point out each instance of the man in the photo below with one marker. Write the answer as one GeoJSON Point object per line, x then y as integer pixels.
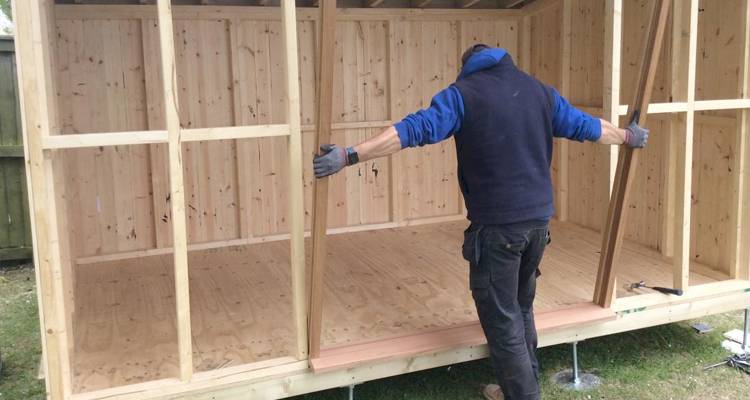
{"type": "Point", "coordinates": [503, 121]}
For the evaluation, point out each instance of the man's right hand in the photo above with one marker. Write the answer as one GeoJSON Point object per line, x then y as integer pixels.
{"type": "Point", "coordinates": [636, 136]}
{"type": "Point", "coordinates": [332, 159]}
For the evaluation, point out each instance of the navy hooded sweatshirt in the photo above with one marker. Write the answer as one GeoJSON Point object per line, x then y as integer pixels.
{"type": "Point", "coordinates": [503, 121]}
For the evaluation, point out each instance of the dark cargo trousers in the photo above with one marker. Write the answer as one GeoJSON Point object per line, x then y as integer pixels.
{"type": "Point", "coordinates": [504, 261]}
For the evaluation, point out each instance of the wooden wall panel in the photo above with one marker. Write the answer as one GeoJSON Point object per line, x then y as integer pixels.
{"type": "Point", "coordinates": [647, 193]}
{"type": "Point", "coordinates": [713, 161]}
{"type": "Point", "coordinates": [587, 53]}
{"type": "Point", "coordinates": [230, 72]}
{"type": "Point", "coordinates": [205, 95]}
{"type": "Point", "coordinates": [636, 15]}
{"type": "Point", "coordinates": [428, 185]}
{"type": "Point", "coordinates": [361, 194]}
{"type": "Point", "coordinates": [100, 62]}
{"type": "Point", "coordinates": [261, 163]}
{"type": "Point", "coordinates": [719, 49]}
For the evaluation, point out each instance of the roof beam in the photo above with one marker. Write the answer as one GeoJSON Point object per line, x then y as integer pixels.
{"type": "Point", "coordinates": [420, 3]}
{"type": "Point", "coordinates": [374, 3]}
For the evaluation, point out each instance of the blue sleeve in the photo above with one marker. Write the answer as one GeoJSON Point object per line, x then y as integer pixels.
{"type": "Point", "coordinates": [434, 124]}
{"type": "Point", "coordinates": [572, 123]}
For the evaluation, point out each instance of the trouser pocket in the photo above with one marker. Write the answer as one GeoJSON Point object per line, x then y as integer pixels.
{"type": "Point", "coordinates": [472, 247]}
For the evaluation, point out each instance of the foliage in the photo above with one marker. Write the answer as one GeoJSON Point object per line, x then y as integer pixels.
{"type": "Point", "coordinates": [5, 8]}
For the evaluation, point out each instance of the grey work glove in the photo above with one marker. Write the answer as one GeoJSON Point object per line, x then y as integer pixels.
{"type": "Point", "coordinates": [636, 136]}
{"type": "Point", "coordinates": [332, 159]}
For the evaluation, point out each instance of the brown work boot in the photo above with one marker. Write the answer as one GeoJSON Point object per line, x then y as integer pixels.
{"type": "Point", "coordinates": [492, 392]}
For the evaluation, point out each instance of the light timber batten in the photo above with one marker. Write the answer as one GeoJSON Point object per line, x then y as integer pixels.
{"type": "Point", "coordinates": [176, 190]}
{"type": "Point", "coordinates": [323, 113]}
{"type": "Point", "coordinates": [106, 146]}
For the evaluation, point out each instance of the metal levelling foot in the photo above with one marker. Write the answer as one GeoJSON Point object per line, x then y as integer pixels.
{"type": "Point", "coordinates": [746, 332]}
{"type": "Point", "coordinates": [574, 379]}
{"type": "Point", "coordinates": [351, 392]}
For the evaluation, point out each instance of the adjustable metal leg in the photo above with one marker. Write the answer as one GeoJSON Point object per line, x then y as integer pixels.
{"type": "Point", "coordinates": [576, 377]}
{"type": "Point", "coordinates": [575, 380]}
{"type": "Point", "coordinates": [351, 392]}
{"type": "Point", "coordinates": [746, 331]}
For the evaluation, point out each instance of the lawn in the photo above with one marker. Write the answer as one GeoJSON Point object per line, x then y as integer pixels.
{"type": "Point", "coordinates": [661, 363]}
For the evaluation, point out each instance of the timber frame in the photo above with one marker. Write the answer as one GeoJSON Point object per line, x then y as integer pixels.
{"type": "Point", "coordinates": [287, 376]}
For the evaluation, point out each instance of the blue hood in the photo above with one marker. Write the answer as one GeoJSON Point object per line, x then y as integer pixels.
{"type": "Point", "coordinates": [482, 60]}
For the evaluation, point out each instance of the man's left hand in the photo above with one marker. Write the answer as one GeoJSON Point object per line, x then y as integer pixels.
{"type": "Point", "coordinates": [636, 136]}
{"type": "Point", "coordinates": [332, 159]}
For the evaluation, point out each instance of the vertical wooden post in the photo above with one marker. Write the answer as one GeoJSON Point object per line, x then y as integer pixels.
{"type": "Point", "coordinates": [296, 185]}
{"type": "Point", "coordinates": [678, 78]}
{"type": "Point", "coordinates": [36, 102]}
{"type": "Point", "coordinates": [324, 108]}
{"type": "Point", "coordinates": [604, 292]}
{"type": "Point", "coordinates": [683, 146]}
{"type": "Point", "coordinates": [739, 266]}
{"type": "Point", "coordinates": [562, 145]}
{"type": "Point", "coordinates": [612, 62]}
{"type": "Point", "coordinates": [176, 190]}
{"type": "Point", "coordinates": [740, 261]}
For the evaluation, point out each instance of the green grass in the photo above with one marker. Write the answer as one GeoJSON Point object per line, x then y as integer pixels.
{"type": "Point", "coordinates": [657, 363]}
{"type": "Point", "coordinates": [19, 336]}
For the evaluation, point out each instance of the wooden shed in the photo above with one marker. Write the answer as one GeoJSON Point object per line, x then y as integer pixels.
{"type": "Point", "coordinates": [170, 215]}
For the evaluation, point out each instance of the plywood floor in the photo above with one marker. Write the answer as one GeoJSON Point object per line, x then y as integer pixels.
{"type": "Point", "coordinates": [379, 284]}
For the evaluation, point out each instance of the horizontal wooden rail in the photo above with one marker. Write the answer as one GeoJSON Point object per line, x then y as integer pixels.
{"type": "Point", "coordinates": [469, 334]}
{"type": "Point", "coordinates": [234, 132]}
{"type": "Point", "coordinates": [338, 126]}
{"type": "Point", "coordinates": [700, 105]}
{"type": "Point", "coordinates": [734, 104]}
{"type": "Point", "coordinates": [83, 140]}
{"type": "Point", "coordinates": [186, 12]}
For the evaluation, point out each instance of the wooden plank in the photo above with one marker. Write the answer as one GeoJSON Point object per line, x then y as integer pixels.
{"type": "Point", "coordinates": [739, 265]}
{"type": "Point", "coordinates": [684, 157]}
{"type": "Point", "coordinates": [613, 57]}
{"type": "Point", "coordinates": [562, 145]}
{"type": "Point", "coordinates": [123, 11]}
{"type": "Point", "coordinates": [176, 190]}
{"type": "Point", "coordinates": [324, 106]}
{"type": "Point", "coordinates": [296, 184]}
{"type": "Point", "coordinates": [470, 334]}
{"type": "Point", "coordinates": [36, 99]}
{"type": "Point", "coordinates": [77, 141]}
{"type": "Point", "coordinates": [234, 132]}
{"type": "Point", "coordinates": [678, 76]}
{"type": "Point", "coordinates": [614, 228]}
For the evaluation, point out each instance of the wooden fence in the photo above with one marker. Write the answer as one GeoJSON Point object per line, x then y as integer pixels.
{"type": "Point", "coordinates": [15, 229]}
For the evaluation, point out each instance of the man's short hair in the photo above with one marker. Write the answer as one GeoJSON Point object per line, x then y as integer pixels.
{"type": "Point", "coordinates": [471, 50]}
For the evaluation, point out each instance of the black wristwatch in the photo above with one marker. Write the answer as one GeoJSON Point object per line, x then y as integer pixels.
{"type": "Point", "coordinates": [351, 156]}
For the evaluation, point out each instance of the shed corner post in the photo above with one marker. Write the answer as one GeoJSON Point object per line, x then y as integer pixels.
{"type": "Point", "coordinates": [176, 190]}
{"type": "Point", "coordinates": [563, 145]}
{"type": "Point", "coordinates": [296, 183]}
{"type": "Point", "coordinates": [683, 145]}
{"type": "Point", "coordinates": [38, 119]}
{"type": "Point", "coordinates": [740, 217]}
{"type": "Point", "coordinates": [611, 107]}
